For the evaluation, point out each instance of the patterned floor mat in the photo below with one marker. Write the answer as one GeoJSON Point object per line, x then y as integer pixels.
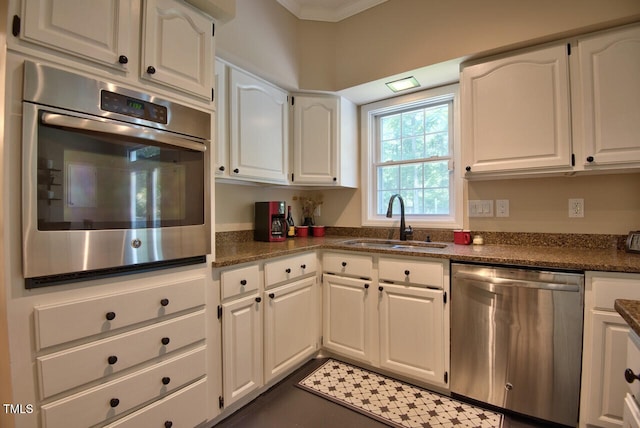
{"type": "Point", "coordinates": [393, 402]}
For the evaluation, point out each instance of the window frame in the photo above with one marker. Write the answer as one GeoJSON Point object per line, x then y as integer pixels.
{"type": "Point", "coordinates": [368, 123]}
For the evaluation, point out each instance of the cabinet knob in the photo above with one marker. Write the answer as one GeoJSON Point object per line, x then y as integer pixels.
{"type": "Point", "coordinates": [166, 380]}
{"type": "Point", "coordinates": [221, 168]}
{"type": "Point", "coordinates": [168, 424]}
{"type": "Point", "coordinates": [272, 295]}
{"type": "Point", "coordinates": [165, 341]}
{"type": "Point", "coordinates": [164, 302]}
{"type": "Point", "coordinates": [114, 402]}
{"type": "Point", "coordinates": [151, 69]}
{"type": "Point", "coordinates": [243, 282]}
{"type": "Point", "coordinates": [590, 159]}
{"type": "Point", "coordinates": [335, 178]}
{"type": "Point", "coordinates": [112, 360]}
{"type": "Point", "coordinates": [344, 264]}
{"type": "Point", "coordinates": [288, 270]}
{"type": "Point", "coordinates": [468, 168]}
{"type": "Point", "coordinates": [630, 376]}
{"type": "Point", "coordinates": [366, 286]}
{"type": "Point", "coordinates": [381, 288]}
{"type": "Point", "coordinates": [110, 316]}
{"type": "Point", "coordinates": [407, 272]}
{"type": "Point", "coordinates": [303, 266]}
{"type": "Point", "coordinates": [237, 171]}
{"type": "Point", "coordinates": [122, 59]}
{"type": "Point", "coordinates": [258, 299]}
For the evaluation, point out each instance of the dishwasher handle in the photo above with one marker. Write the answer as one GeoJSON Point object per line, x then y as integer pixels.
{"type": "Point", "coordinates": [512, 282]}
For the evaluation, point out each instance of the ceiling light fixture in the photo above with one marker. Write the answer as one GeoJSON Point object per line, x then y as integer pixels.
{"type": "Point", "coordinates": [403, 84]}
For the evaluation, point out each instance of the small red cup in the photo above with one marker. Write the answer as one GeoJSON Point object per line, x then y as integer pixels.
{"type": "Point", "coordinates": [302, 231]}
{"type": "Point", "coordinates": [317, 231]}
{"type": "Point", "coordinates": [461, 237]}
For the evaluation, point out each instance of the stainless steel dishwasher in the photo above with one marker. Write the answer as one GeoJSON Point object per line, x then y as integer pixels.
{"type": "Point", "coordinates": [516, 339]}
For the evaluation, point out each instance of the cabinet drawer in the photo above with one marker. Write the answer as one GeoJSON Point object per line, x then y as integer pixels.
{"type": "Point", "coordinates": [239, 281]}
{"type": "Point", "coordinates": [112, 355]}
{"type": "Point", "coordinates": [60, 323]}
{"type": "Point", "coordinates": [117, 397]}
{"type": "Point", "coordinates": [289, 268]}
{"type": "Point", "coordinates": [348, 264]}
{"type": "Point", "coordinates": [185, 408]}
{"type": "Point", "coordinates": [607, 290]}
{"type": "Point", "coordinates": [633, 361]}
{"type": "Point", "coordinates": [419, 272]}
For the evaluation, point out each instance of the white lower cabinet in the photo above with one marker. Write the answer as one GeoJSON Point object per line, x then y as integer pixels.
{"type": "Point", "coordinates": [604, 353]}
{"type": "Point", "coordinates": [631, 410]}
{"type": "Point", "coordinates": [289, 326]}
{"type": "Point", "coordinates": [346, 316]}
{"type": "Point", "coordinates": [412, 332]}
{"type": "Point", "coordinates": [241, 347]}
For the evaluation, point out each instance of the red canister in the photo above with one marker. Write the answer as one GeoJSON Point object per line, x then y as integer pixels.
{"type": "Point", "coordinates": [462, 237]}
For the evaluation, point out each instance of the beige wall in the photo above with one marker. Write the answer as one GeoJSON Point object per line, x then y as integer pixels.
{"type": "Point", "coordinates": [400, 35]}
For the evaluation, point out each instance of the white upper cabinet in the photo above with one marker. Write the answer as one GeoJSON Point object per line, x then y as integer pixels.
{"type": "Point", "coordinates": [324, 141]}
{"type": "Point", "coordinates": [609, 86]}
{"type": "Point", "coordinates": [97, 30]}
{"type": "Point", "coordinates": [221, 166]}
{"type": "Point", "coordinates": [178, 47]}
{"type": "Point", "coordinates": [516, 113]}
{"type": "Point", "coordinates": [259, 129]}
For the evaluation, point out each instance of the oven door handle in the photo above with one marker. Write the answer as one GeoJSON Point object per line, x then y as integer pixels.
{"type": "Point", "coordinates": [114, 128]}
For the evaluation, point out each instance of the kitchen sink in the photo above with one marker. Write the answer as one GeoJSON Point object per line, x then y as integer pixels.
{"type": "Point", "coordinates": [393, 244]}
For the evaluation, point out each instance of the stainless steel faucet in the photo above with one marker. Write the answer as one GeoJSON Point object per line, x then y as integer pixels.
{"type": "Point", "coordinates": [404, 231]}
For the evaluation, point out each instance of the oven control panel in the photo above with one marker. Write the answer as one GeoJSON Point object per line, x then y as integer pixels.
{"type": "Point", "coordinates": [118, 103]}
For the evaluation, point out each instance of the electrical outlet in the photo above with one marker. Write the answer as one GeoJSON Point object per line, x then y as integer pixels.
{"type": "Point", "coordinates": [576, 208]}
{"type": "Point", "coordinates": [502, 207]}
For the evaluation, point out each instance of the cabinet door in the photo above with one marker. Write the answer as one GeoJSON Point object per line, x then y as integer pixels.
{"type": "Point", "coordinates": [97, 30]}
{"type": "Point", "coordinates": [631, 413]}
{"type": "Point", "coordinates": [178, 47]}
{"type": "Point", "coordinates": [516, 113]}
{"type": "Point", "coordinates": [347, 316]}
{"type": "Point", "coordinates": [608, 351]}
{"type": "Point", "coordinates": [259, 129]}
{"type": "Point", "coordinates": [315, 140]}
{"type": "Point", "coordinates": [241, 347]}
{"type": "Point", "coordinates": [221, 167]}
{"type": "Point", "coordinates": [610, 89]}
{"type": "Point", "coordinates": [290, 326]}
{"type": "Point", "coordinates": [412, 332]}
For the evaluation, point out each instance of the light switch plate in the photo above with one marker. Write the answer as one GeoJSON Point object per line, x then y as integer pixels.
{"type": "Point", "coordinates": [480, 208]}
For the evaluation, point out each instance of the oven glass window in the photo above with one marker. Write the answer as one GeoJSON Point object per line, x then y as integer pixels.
{"type": "Point", "coordinates": [98, 181]}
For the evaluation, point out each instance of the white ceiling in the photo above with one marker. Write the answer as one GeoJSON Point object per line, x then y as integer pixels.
{"type": "Point", "coordinates": [327, 10]}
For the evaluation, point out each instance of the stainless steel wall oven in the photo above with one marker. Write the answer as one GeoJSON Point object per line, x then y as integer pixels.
{"type": "Point", "coordinates": [114, 180]}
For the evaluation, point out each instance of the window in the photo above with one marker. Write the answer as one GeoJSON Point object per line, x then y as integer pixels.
{"type": "Point", "coordinates": [410, 148]}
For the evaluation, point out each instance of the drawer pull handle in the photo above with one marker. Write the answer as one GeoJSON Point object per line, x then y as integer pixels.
{"type": "Point", "coordinates": [151, 69]}
{"type": "Point", "coordinates": [110, 316]}
{"type": "Point", "coordinates": [114, 402]}
{"type": "Point", "coordinates": [166, 380]}
{"type": "Point", "coordinates": [381, 288]}
{"type": "Point", "coordinates": [112, 360]}
{"type": "Point", "coordinates": [407, 272]}
{"type": "Point", "coordinates": [168, 424]}
{"type": "Point", "coordinates": [344, 264]}
{"type": "Point", "coordinates": [288, 270]}
{"type": "Point", "coordinates": [165, 341]}
{"type": "Point", "coordinates": [366, 286]}
{"type": "Point", "coordinates": [272, 295]}
{"type": "Point", "coordinates": [630, 376]}
{"type": "Point", "coordinates": [164, 302]}
{"type": "Point", "coordinates": [243, 282]}
{"type": "Point", "coordinates": [303, 266]}
{"type": "Point", "coordinates": [258, 299]}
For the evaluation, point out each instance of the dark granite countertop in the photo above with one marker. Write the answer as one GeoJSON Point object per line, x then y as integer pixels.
{"type": "Point", "coordinates": [609, 260]}
{"type": "Point", "coordinates": [630, 311]}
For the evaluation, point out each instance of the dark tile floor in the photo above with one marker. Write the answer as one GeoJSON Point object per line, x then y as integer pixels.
{"type": "Point", "coordinates": [287, 406]}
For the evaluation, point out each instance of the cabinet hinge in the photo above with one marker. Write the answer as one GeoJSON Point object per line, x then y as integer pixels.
{"type": "Point", "coordinates": [568, 48]}
{"type": "Point", "coordinates": [292, 180]}
{"type": "Point", "coordinates": [446, 377]}
{"type": "Point", "coordinates": [573, 159]}
{"type": "Point", "coordinates": [15, 26]}
{"type": "Point", "coordinates": [444, 297]}
{"type": "Point", "coordinates": [219, 311]}
{"type": "Point", "coordinates": [321, 340]}
{"type": "Point", "coordinates": [213, 29]}
{"type": "Point", "coordinates": [213, 94]}
{"type": "Point", "coordinates": [220, 402]}
{"type": "Point", "coordinates": [293, 100]}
